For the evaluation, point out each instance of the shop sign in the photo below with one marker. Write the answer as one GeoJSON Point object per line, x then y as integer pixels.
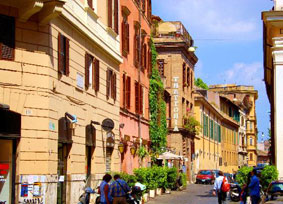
{"type": "Point", "coordinates": [176, 103]}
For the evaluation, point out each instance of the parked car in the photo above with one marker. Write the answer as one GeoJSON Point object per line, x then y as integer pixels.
{"type": "Point", "coordinates": [274, 192]}
{"type": "Point", "coordinates": [205, 176]}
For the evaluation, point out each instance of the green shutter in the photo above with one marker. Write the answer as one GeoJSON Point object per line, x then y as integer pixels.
{"type": "Point", "coordinates": [203, 123]}
{"type": "Point", "coordinates": [219, 133]}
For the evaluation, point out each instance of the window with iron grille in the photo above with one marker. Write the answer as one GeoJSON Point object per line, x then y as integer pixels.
{"type": "Point", "coordinates": [7, 38]}
{"type": "Point", "coordinates": [113, 7]}
{"type": "Point", "coordinates": [111, 87]}
{"type": "Point", "coordinates": [63, 55]}
{"type": "Point", "coordinates": [160, 64]}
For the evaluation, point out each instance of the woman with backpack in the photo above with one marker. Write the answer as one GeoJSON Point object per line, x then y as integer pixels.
{"type": "Point", "coordinates": [221, 187]}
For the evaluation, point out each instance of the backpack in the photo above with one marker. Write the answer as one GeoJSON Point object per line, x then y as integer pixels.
{"type": "Point", "coordinates": [225, 187]}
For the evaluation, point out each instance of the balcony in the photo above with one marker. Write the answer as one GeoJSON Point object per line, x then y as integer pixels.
{"type": "Point", "coordinates": [242, 149]}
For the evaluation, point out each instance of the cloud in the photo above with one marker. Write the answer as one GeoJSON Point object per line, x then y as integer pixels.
{"type": "Point", "coordinates": [213, 19]}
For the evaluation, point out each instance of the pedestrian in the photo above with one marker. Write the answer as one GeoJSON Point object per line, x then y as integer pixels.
{"type": "Point", "coordinates": [104, 190]}
{"type": "Point", "coordinates": [254, 188]}
{"type": "Point", "coordinates": [217, 188]}
{"type": "Point", "coordinates": [118, 190]}
{"type": "Point", "coordinates": [243, 195]}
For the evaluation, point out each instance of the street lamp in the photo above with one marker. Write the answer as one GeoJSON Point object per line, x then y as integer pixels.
{"type": "Point", "coordinates": [121, 147]}
{"type": "Point", "coordinates": [133, 149]}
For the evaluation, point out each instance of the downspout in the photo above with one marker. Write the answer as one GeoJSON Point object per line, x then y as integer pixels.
{"type": "Point", "coordinates": [139, 79]}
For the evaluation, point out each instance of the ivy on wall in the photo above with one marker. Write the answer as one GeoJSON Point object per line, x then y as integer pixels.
{"type": "Point", "coordinates": [157, 105]}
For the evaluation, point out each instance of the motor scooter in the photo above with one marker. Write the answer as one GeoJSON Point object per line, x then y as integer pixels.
{"type": "Point", "coordinates": [235, 192]}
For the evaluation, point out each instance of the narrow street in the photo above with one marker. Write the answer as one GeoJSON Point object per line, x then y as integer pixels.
{"type": "Point", "coordinates": [194, 194]}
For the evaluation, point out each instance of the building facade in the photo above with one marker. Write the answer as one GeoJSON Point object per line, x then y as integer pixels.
{"type": "Point", "coordinates": [135, 21]}
{"type": "Point", "coordinates": [272, 42]}
{"type": "Point", "coordinates": [176, 67]}
{"type": "Point", "coordinates": [244, 96]}
{"type": "Point", "coordinates": [59, 79]}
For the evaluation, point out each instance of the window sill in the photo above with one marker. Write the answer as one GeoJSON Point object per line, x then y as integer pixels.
{"type": "Point", "coordinates": [91, 12]}
{"type": "Point", "coordinates": [112, 32]}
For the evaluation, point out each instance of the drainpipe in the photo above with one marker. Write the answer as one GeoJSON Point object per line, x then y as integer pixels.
{"type": "Point", "coordinates": [139, 77]}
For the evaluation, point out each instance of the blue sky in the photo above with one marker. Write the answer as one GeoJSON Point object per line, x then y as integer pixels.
{"type": "Point", "coordinates": [228, 34]}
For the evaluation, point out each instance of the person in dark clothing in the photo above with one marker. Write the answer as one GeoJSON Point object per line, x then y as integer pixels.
{"type": "Point", "coordinates": [254, 188]}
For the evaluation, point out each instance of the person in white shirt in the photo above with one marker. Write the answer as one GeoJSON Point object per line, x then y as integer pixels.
{"type": "Point", "coordinates": [217, 188]}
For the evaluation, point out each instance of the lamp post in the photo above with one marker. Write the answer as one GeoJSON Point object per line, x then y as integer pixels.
{"type": "Point", "coordinates": [133, 149]}
{"type": "Point", "coordinates": [121, 147]}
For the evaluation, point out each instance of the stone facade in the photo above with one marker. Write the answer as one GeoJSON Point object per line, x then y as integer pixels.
{"type": "Point", "coordinates": [31, 85]}
{"type": "Point", "coordinates": [176, 67]}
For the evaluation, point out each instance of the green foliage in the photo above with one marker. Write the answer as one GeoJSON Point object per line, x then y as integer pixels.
{"type": "Point", "coordinates": [201, 84]}
{"type": "Point", "coordinates": [242, 176]}
{"type": "Point", "coordinates": [268, 174]}
{"type": "Point", "coordinates": [142, 152]}
{"type": "Point", "coordinates": [171, 177]}
{"type": "Point", "coordinates": [130, 179]}
{"type": "Point", "coordinates": [184, 179]}
{"type": "Point", "coordinates": [191, 125]}
{"type": "Point", "coordinates": [157, 106]}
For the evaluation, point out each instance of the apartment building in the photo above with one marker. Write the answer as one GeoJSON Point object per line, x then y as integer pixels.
{"type": "Point", "coordinates": [59, 96]}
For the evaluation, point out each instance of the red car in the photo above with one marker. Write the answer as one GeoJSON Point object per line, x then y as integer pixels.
{"type": "Point", "coordinates": [205, 176]}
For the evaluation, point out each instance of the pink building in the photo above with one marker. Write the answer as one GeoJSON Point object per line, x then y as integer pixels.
{"type": "Point", "coordinates": [135, 25]}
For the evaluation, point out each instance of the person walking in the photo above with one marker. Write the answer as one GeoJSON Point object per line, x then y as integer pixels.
{"type": "Point", "coordinates": [217, 189]}
{"type": "Point", "coordinates": [104, 189]}
{"type": "Point", "coordinates": [118, 190]}
{"type": "Point", "coordinates": [254, 188]}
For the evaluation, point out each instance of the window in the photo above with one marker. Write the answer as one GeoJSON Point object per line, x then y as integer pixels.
{"type": "Point", "coordinates": [91, 72]}
{"type": "Point", "coordinates": [184, 75]}
{"type": "Point", "coordinates": [149, 10]}
{"type": "Point", "coordinates": [251, 141]}
{"type": "Point", "coordinates": [149, 59]}
{"type": "Point", "coordinates": [137, 44]}
{"type": "Point", "coordinates": [188, 76]}
{"type": "Point", "coordinates": [111, 84]}
{"type": "Point", "coordinates": [251, 156]}
{"type": "Point", "coordinates": [125, 36]}
{"type": "Point", "coordinates": [63, 55]}
{"type": "Point", "coordinates": [192, 79]}
{"type": "Point", "coordinates": [144, 52]}
{"type": "Point", "coordinates": [139, 98]}
{"type": "Point", "coordinates": [113, 15]}
{"type": "Point", "coordinates": [7, 38]}
{"type": "Point", "coordinates": [160, 64]}
{"type": "Point", "coordinates": [143, 6]}
{"type": "Point", "coordinates": [126, 91]}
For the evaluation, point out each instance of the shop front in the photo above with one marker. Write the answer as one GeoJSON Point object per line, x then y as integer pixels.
{"type": "Point", "coordinates": [10, 128]}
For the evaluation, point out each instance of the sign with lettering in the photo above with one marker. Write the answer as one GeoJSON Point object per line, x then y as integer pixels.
{"type": "Point", "coordinates": [175, 103]}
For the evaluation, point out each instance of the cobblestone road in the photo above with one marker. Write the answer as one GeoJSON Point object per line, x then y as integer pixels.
{"type": "Point", "coordinates": [194, 194]}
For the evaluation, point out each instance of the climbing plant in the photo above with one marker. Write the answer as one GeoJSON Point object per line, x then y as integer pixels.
{"type": "Point", "coordinates": [157, 105]}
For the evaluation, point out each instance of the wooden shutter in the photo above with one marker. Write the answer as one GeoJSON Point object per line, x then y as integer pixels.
{"type": "Point", "coordinates": [60, 53]}
{"type": "Point", "coordinates": [116, 23]}
{"type": "Point", "coordinates": [89, 2]}
{"type": "Point", "coordinates": [149, 62]}
{"type": "Point", "coordinates": [93, 73]}
{"type": "Point", "coordinates": [192, 79]}
{"type": "Point", "coordinates": [184, 74]}
{"type": "Point", "coordinates": [143, 6]}
{"type": "Point", "coordinates": [67, 69]}
{"type": "Point", "coordinates": [149, 10]}
{"type": "Point", "coordinates": [135, 48]}
{"type": "Point", "coordinates": [110, 13]}
{"type": "Point", "coordinates": [137, 96]}
{"type": "Point", "coordinates": [96, 75]}
{"type": "Point", "coordinates": [123, 35]}
{"type": "Point", "coordinates": [128, 92]}
{"type": "Point", "coordinates": [107, 83]}
{"type": "Point", "coordinates": [7, 37]}
{"type": "Point", "coordinates": [114, 86]}
{"type": "Point", "coordinates": [87, 70]}
{"type": "Point", "coordinates": [144, 54]}
{"type": "Point", "coordinates": [188, 76]}
{"type": "Point", "coordinates": [141, 99]}
{"type": "Point", "coordinates": [124, 91]}
{"type": "Point", "coordinates": [127, 37]}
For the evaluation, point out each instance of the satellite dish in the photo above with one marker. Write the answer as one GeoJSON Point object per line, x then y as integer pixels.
{"type": "Point", "coordinates": [107, 124]}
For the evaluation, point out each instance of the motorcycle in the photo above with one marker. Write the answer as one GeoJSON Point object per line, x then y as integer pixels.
{"type": "Point", "coordinates": [235, 192]}
{"type": "Point", "coordinates": [85, 197]}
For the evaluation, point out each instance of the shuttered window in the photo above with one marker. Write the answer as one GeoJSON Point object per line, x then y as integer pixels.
{"type": "Point", "coordinates": [184, 75]}
{"type": "Point", "coordinates": [113, 8]}
{"type": "Point", "coordinates": [63, 54]}
{"type": "Point", "coordinates": [137, 47]}
{"type": "Point", "coordinates": [188, 76]}
{"type": "Point", "coordinates": [149, 10]}
{"type": "Point", "coordinates": [124, 91]}
{"type": "Point", "coordinates": [128, 92]}
{"type": "Point", "coordinates": [7, 38]}
{"type": "Point", "coordinates": [91, 72]}
{"type": "Point", "coordinates": [149, 61]}
{"type": "Point", "coordinates": [111, 86]}
{"type": "Point", "coordinates": [125, 37]}
{"type": "Point", "coordinates": [138, 98]}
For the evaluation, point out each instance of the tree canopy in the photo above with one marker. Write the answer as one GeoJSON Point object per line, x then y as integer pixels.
{"type": "Point", "coordinates": [199, 83]}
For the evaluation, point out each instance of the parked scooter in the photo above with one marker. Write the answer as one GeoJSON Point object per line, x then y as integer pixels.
{"type": "Point", "coordinates": [235, 192]}
{"type": "Point", "coordinates": [85, 197]}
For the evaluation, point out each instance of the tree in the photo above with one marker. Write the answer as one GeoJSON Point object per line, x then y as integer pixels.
{"type": "Point", "coordinates": [199, 83]}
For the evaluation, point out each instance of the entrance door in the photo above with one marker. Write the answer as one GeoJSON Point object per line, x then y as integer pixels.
{"type": "Point", "coordinates": [62, 173]}
{"type": "Point", "coordinates": [6, 171]}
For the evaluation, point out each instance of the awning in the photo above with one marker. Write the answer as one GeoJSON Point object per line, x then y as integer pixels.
{"type": "Point", "coordinates": [169, 155]}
